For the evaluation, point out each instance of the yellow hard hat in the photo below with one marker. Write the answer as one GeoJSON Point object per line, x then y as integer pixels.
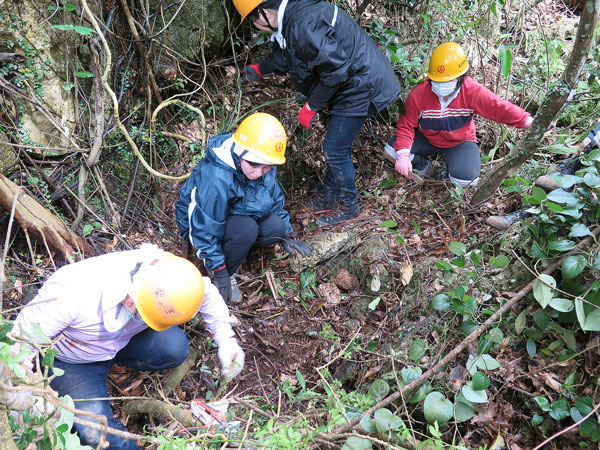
{"type": "Point", "coordinates": [448, 61]}
{"type": "Point", "coordinates": [245, 7]}
{"type": "Point", "coordinates": [262, 135]}
{"type": "Point", "coordinates": [169, 292]}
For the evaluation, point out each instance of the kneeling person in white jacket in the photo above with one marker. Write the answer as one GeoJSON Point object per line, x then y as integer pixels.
{"type": "Point", "coordinates": [120, 308]}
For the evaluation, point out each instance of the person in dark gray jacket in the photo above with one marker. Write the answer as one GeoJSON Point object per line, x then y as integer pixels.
{"type": "Point", "coordinates": [334, 63]}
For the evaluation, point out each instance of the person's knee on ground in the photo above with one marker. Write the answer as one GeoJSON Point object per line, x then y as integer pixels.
{"type": "Point", "coordinates": [569, 166]}
{"type": "Point", "coordinates": [271, 230]}
{"type": "Point", "coordinates": [82, 381]}
{"type": "Point", "coordinates": [464, 164]}
{"type": "Point", "coordinates": [241, 233]}
{"type": "Point", "coordinates": [90, 436]}
{"type": "Point", "coordinates": [464, 183]}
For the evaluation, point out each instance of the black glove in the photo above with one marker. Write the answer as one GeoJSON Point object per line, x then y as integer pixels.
{"type": "Point", "coordinates": [251, 73]}
{"type": "Point", "coordinates": [223, 282]}
{"type": "Point", "coordinates": [295, 247]}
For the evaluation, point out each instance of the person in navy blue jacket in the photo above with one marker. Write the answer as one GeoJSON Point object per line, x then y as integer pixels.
{"type": "Point", "coordinates": [233, 202]}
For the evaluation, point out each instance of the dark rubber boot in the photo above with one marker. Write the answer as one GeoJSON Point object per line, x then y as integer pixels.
{"type": "Point", "coordinates": [322, 203]}
{"type": "Point", "coordinates": [341, 214]}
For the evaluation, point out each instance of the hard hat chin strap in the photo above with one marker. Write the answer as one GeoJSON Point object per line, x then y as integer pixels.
{"type": "Point", "coordinates": [262, 12]}
{"type": "Point", "coordinates": [135, 270]}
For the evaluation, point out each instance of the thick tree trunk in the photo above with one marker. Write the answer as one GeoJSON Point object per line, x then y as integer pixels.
{"type": "Point", "coordinates": [550, 107]}
{"type": "Point", "coordinates": [41, 223]}
{"type": "Point", "coordinates": [6, 440]}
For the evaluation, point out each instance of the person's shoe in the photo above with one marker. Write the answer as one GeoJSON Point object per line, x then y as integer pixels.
{"type": "Point", "coordinates": [341, 214]}
{"type": "Point", "coordinates": [503, 222]}
{"type": "Point", "coordinates": [236, 294]}
{"type": "Point", "coordinates": [321, 203]}
{"type": "Point", "coordinates": [426, 171]}
{"type": "Point", "coordinates": [547, 182]}
{"type": "Point", "coordinates": [567, 167]}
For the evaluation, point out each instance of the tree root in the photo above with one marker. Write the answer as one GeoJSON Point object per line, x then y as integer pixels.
{"type": "Point", "coordinates": [173, 379]}
{"type": "Point", "coordinates": [41, 223]}
{"type": "Point", "coordinates": [170, 382]}
{"type": "Point", "coordinates": [152, 406]}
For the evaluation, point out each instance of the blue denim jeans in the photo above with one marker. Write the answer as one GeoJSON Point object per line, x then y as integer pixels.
{"type": "Point", "coordinates": [340, 178]}
{"type": "Point", "coordinates": [243, 232]}
{"type": "Point", "coordinates": [148, 350]}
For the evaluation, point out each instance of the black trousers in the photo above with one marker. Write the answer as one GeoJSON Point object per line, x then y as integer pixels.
{"type": "Point", "coordinates": [463, 160]}
{"type": "Point", "coordinates": [243, 232]}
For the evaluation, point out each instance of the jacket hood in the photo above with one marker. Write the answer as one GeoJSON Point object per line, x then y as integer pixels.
{"type": "Point", "coordinates": [220, 151]}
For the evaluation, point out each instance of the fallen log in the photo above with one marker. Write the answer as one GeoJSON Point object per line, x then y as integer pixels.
{"type": "Point", "coordinates": [40, 223]}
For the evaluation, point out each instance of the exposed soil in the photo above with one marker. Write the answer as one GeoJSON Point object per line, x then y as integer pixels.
{"type": "Point", "coordinates": [281, 335]}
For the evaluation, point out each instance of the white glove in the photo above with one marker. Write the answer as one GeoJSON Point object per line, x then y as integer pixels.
{"type": "Point", "coordinates": [232, 357]}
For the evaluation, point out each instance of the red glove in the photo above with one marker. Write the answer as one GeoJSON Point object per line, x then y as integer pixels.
{"type": "Point", "coordinates": [306, 116]}
{"type": "Point", "coordinates": [252, 73]}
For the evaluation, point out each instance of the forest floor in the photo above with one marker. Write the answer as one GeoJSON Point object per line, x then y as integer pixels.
{"type": "Point", "coordinates": [285, 334]}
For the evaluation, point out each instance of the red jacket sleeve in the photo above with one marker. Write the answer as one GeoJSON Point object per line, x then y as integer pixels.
{"type": "Point", "coordinates": [489, 105]}
{"type": "Point", "coordinates": [405, 128]}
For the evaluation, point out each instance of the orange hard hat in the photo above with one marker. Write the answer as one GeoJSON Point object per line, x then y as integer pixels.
{"type": "Point", "coordinates": [262, 135]}
{"type": "Point", "coordinates": [245, 7]}
{"type": "Point", "coordinates": [448, 61]}
{"type": "Point", "coordinates": [169, 292]}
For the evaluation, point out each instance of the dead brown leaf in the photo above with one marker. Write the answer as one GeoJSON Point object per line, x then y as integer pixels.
{"type": "Point", "coordinates": [17, 293]}
{"type": "Point", "coordinates": [407, 273]}
{"type": "Point", "coordinates": [170, 74]}
{"type": "Point", "coordinates": [486, 414]}
{"type": "Point", "coordinates": [372, 372]}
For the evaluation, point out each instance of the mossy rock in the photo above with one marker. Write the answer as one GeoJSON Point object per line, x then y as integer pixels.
{"type": "Point", "coordinates": [417, 294]}
{"type": "Point", "coordinates": [198, 31]}
{"type": "Point", "coordinates": [47, 67]}
{"type": "Point", "coordinates": [358, 308]}
{"type": "Point", "coordinates": [325, 246]}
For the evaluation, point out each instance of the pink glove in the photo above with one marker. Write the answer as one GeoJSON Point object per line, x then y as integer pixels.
{"type": "Point", "coordinates": [403, 165]}
{"type": "Point", "coordinates": [528, 122]}
{"type": "Point", "coordinates": [306, 116]}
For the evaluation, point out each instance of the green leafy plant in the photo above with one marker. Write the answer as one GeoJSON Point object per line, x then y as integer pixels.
{"type": "Point", "coordinates": [391, 226]}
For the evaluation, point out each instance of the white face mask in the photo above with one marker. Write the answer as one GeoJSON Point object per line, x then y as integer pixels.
{"type": "Point", "coordinates": [443, 89]}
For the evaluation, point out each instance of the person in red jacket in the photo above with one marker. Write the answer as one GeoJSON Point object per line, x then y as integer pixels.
{"type": "Point", "coordinates": [439, 119]}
